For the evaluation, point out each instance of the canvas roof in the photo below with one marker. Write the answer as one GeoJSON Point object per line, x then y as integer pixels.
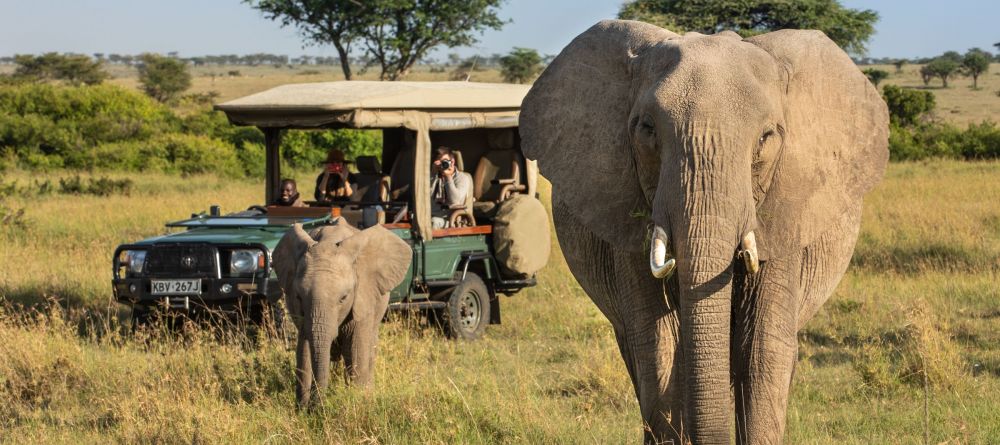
{"type": "Point", "coordinates": [376, 104]}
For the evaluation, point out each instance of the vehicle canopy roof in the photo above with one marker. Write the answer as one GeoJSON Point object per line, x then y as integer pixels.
{"type": "Point", "coordinates": [422, 107]}
{"type": "Point", "coordinates": [374, 104]}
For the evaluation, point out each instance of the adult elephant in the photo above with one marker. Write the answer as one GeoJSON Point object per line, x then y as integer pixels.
{"type": "Point", "coordinates": [743, 163]}
{"type": "Point", "coordinates": [336, 281]}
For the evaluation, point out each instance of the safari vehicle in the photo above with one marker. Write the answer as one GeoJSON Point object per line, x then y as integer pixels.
{"type": "Point", "coordinates": [494, 245]}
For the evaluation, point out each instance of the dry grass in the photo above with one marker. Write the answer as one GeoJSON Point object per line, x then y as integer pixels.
{"type": "Point", "coordinates": [921, 297]}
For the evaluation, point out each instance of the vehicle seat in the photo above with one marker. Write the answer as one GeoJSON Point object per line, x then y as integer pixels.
{"type": "Point", "coordinates": [401, 175]}
{"type": "Point", "coordinates": [497, 176]}
{"type": "Point", "coordinates": [370, 184]}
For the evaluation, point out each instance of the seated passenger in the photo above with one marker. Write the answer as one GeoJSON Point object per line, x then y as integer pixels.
{"type": "Point", "coordinates": [289, 195]}
{"type": "Point", "coordinates": [450, 187]}
{"type": "Point", "coordinates": [334, 184]}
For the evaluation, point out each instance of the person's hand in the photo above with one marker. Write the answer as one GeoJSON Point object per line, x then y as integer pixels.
{"type": "Point", "coordinates": [447, 173]}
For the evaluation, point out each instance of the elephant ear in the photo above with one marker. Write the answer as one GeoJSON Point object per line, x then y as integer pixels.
{"type": "Point", "coordinates": [835, 143]}
{"type": "Point", "coordinates": [574, 121]}
{"type": "Point", "coordinates": [381, 260]}
{"type": "Point", "coordinates": [286, 257]}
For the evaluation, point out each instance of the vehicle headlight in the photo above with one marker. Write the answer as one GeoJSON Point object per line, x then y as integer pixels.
{"type": "Point", "coordinates": [244, 261]}
{"type": "Point", "coordinates": [133, 260]}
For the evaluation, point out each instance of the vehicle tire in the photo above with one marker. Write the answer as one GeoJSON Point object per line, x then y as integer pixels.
{"type": "Point", "coordinates": [468, 309]}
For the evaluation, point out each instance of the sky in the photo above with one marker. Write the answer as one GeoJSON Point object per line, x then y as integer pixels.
{"type": "Point", "coordinates": [908, 28]}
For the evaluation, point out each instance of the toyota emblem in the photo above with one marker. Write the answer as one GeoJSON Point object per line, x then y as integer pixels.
{"type": "Point", "coordinates": [188, 261]}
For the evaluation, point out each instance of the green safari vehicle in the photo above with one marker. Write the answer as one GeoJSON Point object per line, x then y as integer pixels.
{"type": "Point", "coordinates": [494, 244]}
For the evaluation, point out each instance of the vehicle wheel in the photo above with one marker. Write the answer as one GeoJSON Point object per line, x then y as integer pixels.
{"type": "Point", "coordinates": [468, 310]}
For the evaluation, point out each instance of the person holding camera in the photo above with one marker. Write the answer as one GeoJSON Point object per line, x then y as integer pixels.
{"type": "Point", "coordinates": [450, 187]}
{"type": "Point", "coordinates": [334, 182]}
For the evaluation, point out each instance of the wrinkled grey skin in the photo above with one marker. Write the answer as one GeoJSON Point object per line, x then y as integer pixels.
{"type": "Point", "coordinates": [708, 138]}
{"type": "Point", "coordinates": [336, 281]}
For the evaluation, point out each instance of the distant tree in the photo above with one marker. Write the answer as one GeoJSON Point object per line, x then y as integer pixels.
{"type": "Point", "coordinates": [926, 75]}
{"type": "Point", "coordinates": [907, 106]}
{"type": "Point", "coordinates": [73, 69]}
{"type": "Point", "coordinates": [521, 65]}
{"type": "Point", "coordinates": [953, 56]}
{"type": "Point", "coordinates": [395, 33]}
{"type": "Point", "coordinates": [997, 45]}
{"type": "Point", "coordinates": [320, 22]}
{"type": "Point", "coordinates": [163, 78]}
{"type": "Point", "coordinates": [876, 75]}
{"type": "Point", "coordinates": [975, 63]}
{"type": "Point", "coordinates": [850, 28]}
{"type": "Point", "coordinates": [898, 63]}
{"type": "Point", "coordinates": [943, 67]}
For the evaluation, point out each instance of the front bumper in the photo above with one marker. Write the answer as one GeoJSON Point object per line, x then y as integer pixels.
{"type": "Point", "coordinates": [245, 292]}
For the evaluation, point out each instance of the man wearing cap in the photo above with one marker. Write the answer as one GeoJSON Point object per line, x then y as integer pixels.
{"type": "Point", "coordinates": [334, 183]}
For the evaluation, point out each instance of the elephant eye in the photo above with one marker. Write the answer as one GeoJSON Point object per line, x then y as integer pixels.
{"type": "Point", "coordinates": [343, 298]}
{"type": "Point", "coordinates": [764, 137]}
{"type": "Point", "coordinates": [645, 125]}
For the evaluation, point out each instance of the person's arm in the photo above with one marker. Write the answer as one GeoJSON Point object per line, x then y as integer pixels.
{"type": "Point", "coordinates": [457, 188]}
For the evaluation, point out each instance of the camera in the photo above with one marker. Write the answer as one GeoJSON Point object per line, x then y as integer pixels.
{"type": "Point", "coordinates": [445, 164]}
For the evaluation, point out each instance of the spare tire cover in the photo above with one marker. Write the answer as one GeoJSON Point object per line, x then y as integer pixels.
{"type": "Point", "coordinates": [521, 234]}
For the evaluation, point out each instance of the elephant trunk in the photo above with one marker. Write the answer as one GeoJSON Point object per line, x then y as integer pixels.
{"type": "Point", "coordinates": [321, 337]}
{"type": "Point", "coordinates": [705, 245]}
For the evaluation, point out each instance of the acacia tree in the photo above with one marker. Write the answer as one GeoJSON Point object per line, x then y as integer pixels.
{"type": "Point", "coordinates": [395, 34]}
{"type": "Point", "coordinates": [975, 63]}
{"type": "Point", "coordinates": [320, 22]}
{"type": "Point", "coordinates": [520, 65]}
{"type": "Point", "coordinates": [74, 69]}
{"type": "Point", "coordinates": [849, 28]}
{"type": "Point", "coordinates": [943, 67]}
{"type": "Point", "coordinates": [163, 78]}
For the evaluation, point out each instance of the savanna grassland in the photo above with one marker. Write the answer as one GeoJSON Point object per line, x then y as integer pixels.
{"type": "Point", "coordinates": [920, 300]}
{"type": "Point", "coordinates": [959, 103]}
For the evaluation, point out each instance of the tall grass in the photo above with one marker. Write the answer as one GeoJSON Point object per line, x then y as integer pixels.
{"type": "Point", "coordinates": [921, 299]}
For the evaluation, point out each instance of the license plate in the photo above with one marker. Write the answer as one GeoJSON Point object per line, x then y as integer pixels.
{"type": "Point", "coordinates": [176, 287]}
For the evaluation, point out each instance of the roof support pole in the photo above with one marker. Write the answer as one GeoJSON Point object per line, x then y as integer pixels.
{"type": "Point", "coordinates": [272, 144]}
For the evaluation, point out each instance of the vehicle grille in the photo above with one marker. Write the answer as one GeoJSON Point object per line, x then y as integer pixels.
{"type": "Point", "coordinates": [181, 261]}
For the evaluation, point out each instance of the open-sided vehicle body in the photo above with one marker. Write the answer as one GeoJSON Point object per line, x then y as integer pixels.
{"type": "Point", "coordinates": [455, 271]}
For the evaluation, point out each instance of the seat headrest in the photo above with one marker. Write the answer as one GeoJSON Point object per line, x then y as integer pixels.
{"type": "Point", "coordinates": [459, 162]}
{"type": "Point", "coordinates": [368, 165]}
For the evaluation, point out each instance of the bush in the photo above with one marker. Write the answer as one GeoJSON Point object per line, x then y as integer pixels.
{"type": "Point", "coordinates": [307, 149]}
{"type": "Point", "coordinates": [907, 106]}
{"type": "Point", "coordinates": [100, 187]}
{"type": "Point", "coordinates": [940, 140]}
{"type": "Point", "coordinates": [50, 126]}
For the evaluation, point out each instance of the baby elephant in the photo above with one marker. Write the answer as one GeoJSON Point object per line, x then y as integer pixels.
{"type": "Point", "coordinates": [336, 281]}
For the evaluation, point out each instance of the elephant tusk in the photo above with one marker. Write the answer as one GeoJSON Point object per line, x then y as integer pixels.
{"type": "Point", "coordinates": [661, 263]}
{"type": "Point", "coordinates": [748, 252]}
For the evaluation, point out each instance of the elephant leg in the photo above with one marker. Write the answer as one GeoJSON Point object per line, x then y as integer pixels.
{"type": "Point", "coordinates": [765, 308]}
{"type": "Point", "coordinates": [303, 371]}
{"type": "Point", "coordinates": [644, 321]}
{"type": "Point", "coordinates": [361, 342]}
